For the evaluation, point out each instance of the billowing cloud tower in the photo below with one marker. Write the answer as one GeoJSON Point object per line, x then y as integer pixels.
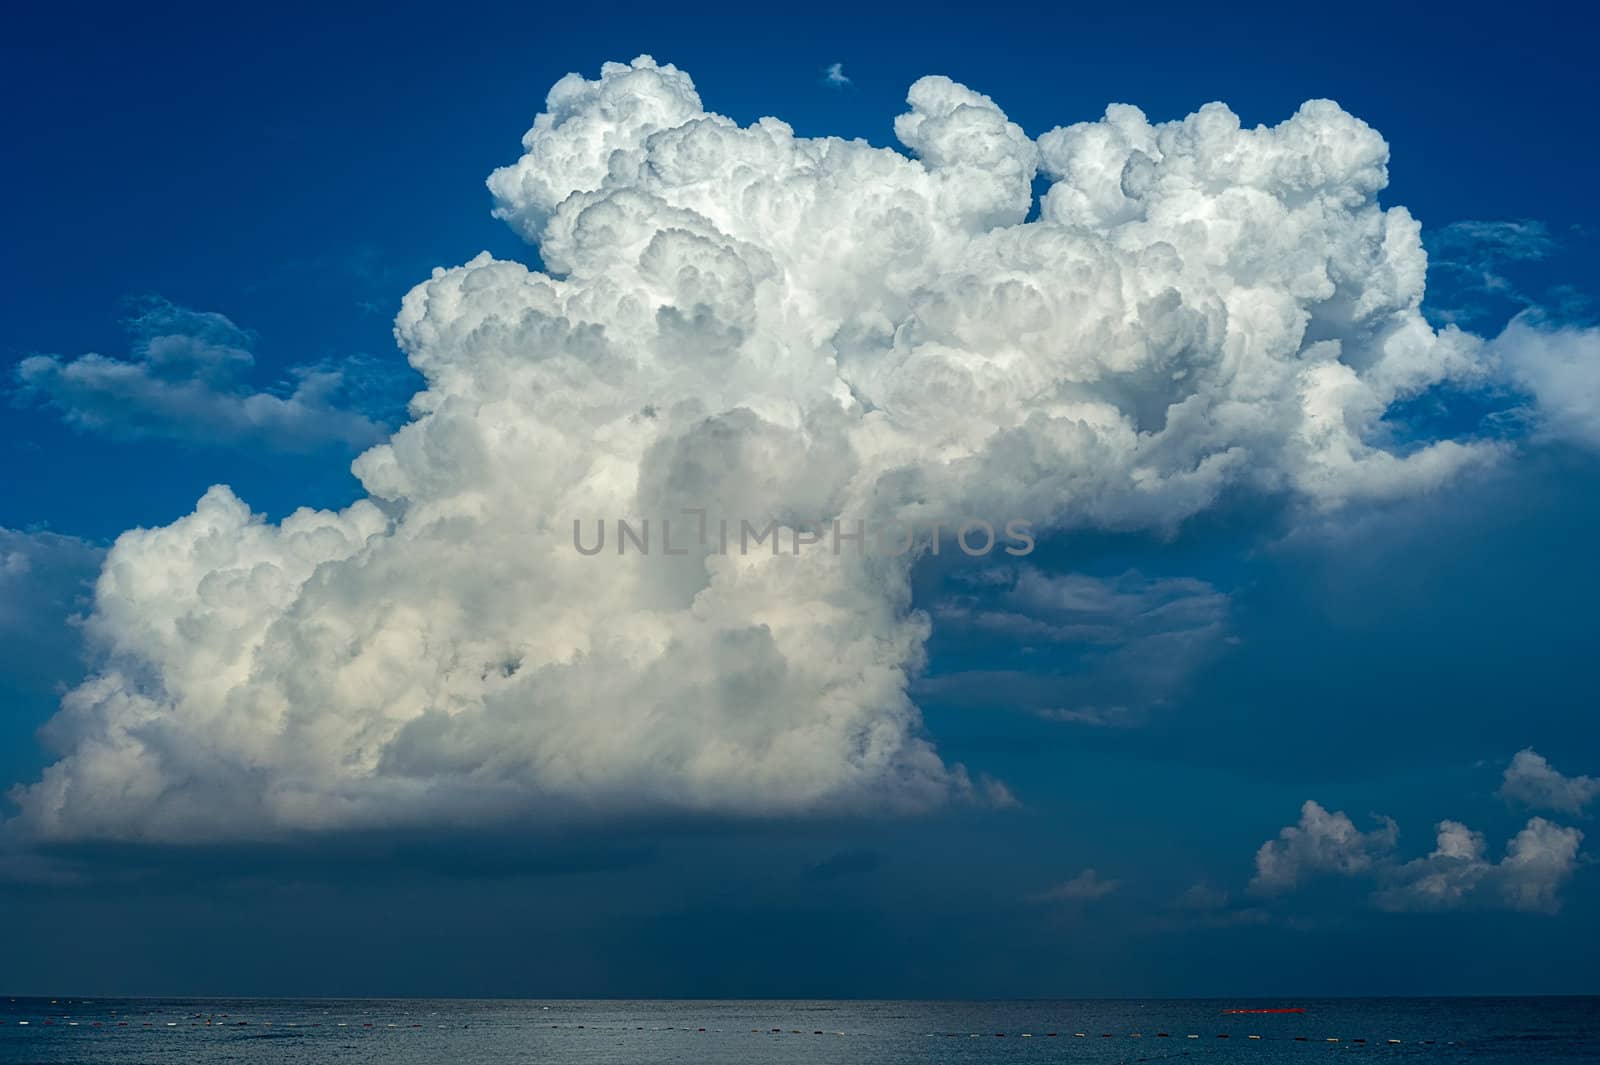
{"type": "Point", "coordinates": [744, 321]}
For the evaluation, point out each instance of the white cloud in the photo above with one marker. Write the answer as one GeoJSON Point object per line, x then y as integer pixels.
{"type": "Point", "coordinates": [1085, 887]}
{"type": "Point", "coordinates": [185, 380]}
{"type": "Point", "coordinates": [1443, 879]}
{"type": "Point", "coordinates": [835, 76]}
{"type": "Point", "coordinates": [1533, 781]}
{"type": "Point", "coordinates": [1487, 243]}
{"type": "Point", "coordinates": [1538, 861]}
{"type": "Point", "coordinates": [1559, 366]}
{"type": "Point", "coordinates": [758, 323]}
{"type": "Point", "coordinates": [1321, 843]}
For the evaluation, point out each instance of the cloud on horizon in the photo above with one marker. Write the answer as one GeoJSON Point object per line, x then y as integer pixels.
{"type": "Point", "coordinates": [1321, 843]}
{"type": "Point", "coordinates": [1538, 861]}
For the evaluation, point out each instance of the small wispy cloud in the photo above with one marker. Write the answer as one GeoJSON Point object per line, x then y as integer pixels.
{"type": "Point", "coordinates": [188, 377]}
{"type": "Point", "coordinates": [1474, 260]}
{"type": "Point", "coordinates": [1120, 647]}
{"type": "Point", "coordinates": [835, 76]}
{"type": "Point", "coordinates": [1522, 240]}
{"type": "Point", "coordinates": [1085, 887]}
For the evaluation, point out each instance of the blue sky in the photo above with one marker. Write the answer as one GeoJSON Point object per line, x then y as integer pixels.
{"type": "Point", "coordinates": [296, 172]}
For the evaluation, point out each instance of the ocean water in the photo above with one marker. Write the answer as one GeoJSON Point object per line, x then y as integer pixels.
{"type": "Point", "coordinates": [468, 1032]}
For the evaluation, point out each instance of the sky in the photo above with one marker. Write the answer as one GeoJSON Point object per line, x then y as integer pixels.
{"type": "Point", "coordinates": [311, 358]}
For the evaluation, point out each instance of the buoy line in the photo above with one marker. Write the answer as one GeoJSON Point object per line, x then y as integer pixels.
{"type": "Point", "coordinates": [226, 1022]}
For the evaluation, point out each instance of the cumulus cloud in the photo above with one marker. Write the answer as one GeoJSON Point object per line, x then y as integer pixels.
{"type": "Point", "coordinates": [1320, 843]}
{"type": "Point", "coordinates": [1533, 781]}
{"type": "Point", "coordinates": [835, 76]}
{"type": "Point", "coordinates": [185, 379]}
{"type": "Point", "coordinates": [1559, 366]}
{"type": "Point", "coordinates": [1085, 887]}
{"type": "Point", "coordinates": [1538, 861]}
{"type": "Point", "coordinates": [754, 323]}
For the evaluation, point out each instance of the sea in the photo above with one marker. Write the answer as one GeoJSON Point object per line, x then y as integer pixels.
{"type": "Point", "coordinates": [1484, 1031]}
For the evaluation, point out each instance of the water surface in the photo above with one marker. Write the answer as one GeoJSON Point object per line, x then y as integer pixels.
{"type": "Point", "coordinates": [469, 1032]}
